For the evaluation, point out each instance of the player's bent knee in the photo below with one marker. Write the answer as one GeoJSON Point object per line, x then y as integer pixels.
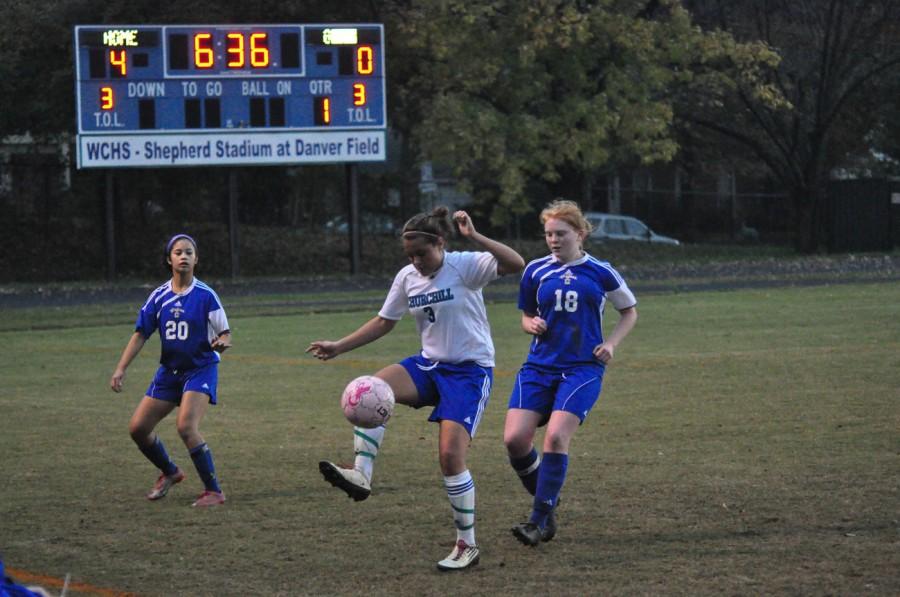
{"type": "Point", "coordinates": [558, 443]}
{"type": "Point", "coordinates": [188, 434]}
{"type": "Point", "coordinates": [517, 445]}
{"type": "Point", "coordinates": [140, 432]}
{"type": "Point", "coordinates": [452, 463]}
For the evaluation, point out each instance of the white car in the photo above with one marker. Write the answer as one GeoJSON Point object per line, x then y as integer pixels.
{"type": "Point", "coordinates": [619, 227]}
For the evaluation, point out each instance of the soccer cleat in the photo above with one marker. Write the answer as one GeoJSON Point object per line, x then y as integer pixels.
{"type": "Point", "coordinates": [164, 484]}
{"type": "Point", "coordinates": [353, 482]}
{"type": "Point", "coordinates": [549, 530]}
{"type": "Point", "coordinates": [209, 498]}
{"type": "Point", "coordinates": [528, 533]}
{"type": "Point", "coordinates": [463, 556]}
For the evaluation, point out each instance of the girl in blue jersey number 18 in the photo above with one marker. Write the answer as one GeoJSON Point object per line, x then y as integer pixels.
{"type": "Point", "coordinates": [562, 297]}
{"type": "Point", "coordinates": [193, 330]}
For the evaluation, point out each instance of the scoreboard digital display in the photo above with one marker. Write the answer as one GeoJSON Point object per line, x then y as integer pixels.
{"type": "Point", "coordinates": [163, 95]}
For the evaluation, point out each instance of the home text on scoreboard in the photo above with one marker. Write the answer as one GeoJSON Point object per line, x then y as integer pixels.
{"type": "Point", "coordinates": [148, 92]}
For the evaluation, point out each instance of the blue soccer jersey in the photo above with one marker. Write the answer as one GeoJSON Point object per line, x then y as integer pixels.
{"type": "Point", "coordinates": [570, 297]}
{"type": "Point", "coordinates": [187, 322]}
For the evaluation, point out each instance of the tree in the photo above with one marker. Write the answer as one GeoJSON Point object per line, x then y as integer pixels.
{"type": "Point", "coordinates": [840, 63]}
{"type": "Point", "coordinates": [510, 92]}
{"type": "Point", "coordinates": [505, 92]}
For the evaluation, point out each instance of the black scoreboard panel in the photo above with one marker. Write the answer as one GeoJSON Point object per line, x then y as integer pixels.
{"type": "Point", "coordinates": [215, 78]}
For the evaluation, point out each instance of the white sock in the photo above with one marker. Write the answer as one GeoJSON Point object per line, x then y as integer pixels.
{"type": "Point", "coordinates": [461, 491]}
{"type": "Point", "coordinates": [366, 443]}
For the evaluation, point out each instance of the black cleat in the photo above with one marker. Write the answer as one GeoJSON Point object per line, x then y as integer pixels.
{"type": "Point", "coordinates": [350, 480]}
{"type": "Point", "coordinates": [549, 530]}
{"type": "Point", "coordinates": [528, 533]}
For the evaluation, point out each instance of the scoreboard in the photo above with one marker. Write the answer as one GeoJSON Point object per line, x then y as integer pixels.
{"type": "Point", "coordinates": [184, 95]}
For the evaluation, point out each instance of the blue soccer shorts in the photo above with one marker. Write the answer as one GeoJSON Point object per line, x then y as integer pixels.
{"type": "Point", "coordinates": [171, 385]}
{"type": "Point", "coordinates": [457, 391]}
{"type": "Point", "coordinates": [574, 390]}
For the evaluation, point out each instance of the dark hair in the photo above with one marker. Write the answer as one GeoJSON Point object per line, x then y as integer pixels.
{"type": "Point", "coordinates": [171, 244]}
{"type": "Point", "coordinates": [177, 238]}
{"type": "Point", "coordinates": [430, 226]}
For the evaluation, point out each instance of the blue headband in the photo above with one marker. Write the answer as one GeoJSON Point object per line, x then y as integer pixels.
{"type": "Point", "coordinates": [177, 237]}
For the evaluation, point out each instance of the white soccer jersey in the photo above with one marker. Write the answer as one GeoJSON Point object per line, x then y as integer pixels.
{"type": "Point", "coordinates": [448, 308]}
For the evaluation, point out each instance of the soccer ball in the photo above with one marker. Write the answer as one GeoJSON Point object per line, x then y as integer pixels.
{"type": "Point", "coordinates": [368, 401]}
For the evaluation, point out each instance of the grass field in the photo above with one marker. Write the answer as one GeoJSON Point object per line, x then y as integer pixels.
{"type": "Point", "coordinates": [746, 443]}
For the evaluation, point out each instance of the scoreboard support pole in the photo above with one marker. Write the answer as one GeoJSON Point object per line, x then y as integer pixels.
{"type": "Point", "coordinates": [353, 220]}
{"type": "Point", "coordinates": [109, 193]}
{"type": "Point", "coordinates": [233, 224]}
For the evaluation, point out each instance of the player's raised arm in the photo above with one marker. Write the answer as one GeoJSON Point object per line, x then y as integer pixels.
{"type": "Point", "coordinates": [508, 260]}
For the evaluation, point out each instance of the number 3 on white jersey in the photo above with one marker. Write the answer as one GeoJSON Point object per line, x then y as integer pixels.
{"type": "Point", "coordinates": [571, 302]}
{"type": "Point", "coordinates": [176, 330]}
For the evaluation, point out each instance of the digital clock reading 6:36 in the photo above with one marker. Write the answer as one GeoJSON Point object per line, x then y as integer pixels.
{"type": "Point", "coordinates": [230, 50]}
{"type": "Point", "coordinates": [241, 50]}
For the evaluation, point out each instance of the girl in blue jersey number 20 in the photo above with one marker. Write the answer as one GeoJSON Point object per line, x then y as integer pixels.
{"type": "Point", "coordinates": [562, 297]}
{"type": "Point", "coordinates": [193, 330]}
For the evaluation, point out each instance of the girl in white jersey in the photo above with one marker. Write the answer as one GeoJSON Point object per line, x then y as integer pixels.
{"type": "Point", "coordinates": [562, 297]}
{"type": "Point", "coordinates": [454, 371]}
{"type": "Point", "coordinates": [193, 331]}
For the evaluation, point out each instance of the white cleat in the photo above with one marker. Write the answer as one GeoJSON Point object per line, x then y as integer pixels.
{"type": "Point", "coordinates": [463, 556]}
{"type": "Point", "coordinates": [349, 479]}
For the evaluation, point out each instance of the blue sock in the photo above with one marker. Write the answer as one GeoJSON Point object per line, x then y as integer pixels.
{"type": "Point", "coordinates": [550, 482]}
{"type": "Point", "coordinates": [156, 453]}
{"type": "Point", "coordinates": [527, 467]}
{"type": "Point", "coordinates": [203, 462]}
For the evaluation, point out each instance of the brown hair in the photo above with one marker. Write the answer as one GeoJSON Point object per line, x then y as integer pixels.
{"type": "Point", "coordinates": [568, 212]}
{"type": "Point", "coordinates": [171, 243]}
{"type": "Point", "coordinates": [429, 226]}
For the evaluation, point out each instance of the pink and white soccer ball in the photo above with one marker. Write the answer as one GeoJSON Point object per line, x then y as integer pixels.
{"type": "Point", "coordinates": [368, 401]}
